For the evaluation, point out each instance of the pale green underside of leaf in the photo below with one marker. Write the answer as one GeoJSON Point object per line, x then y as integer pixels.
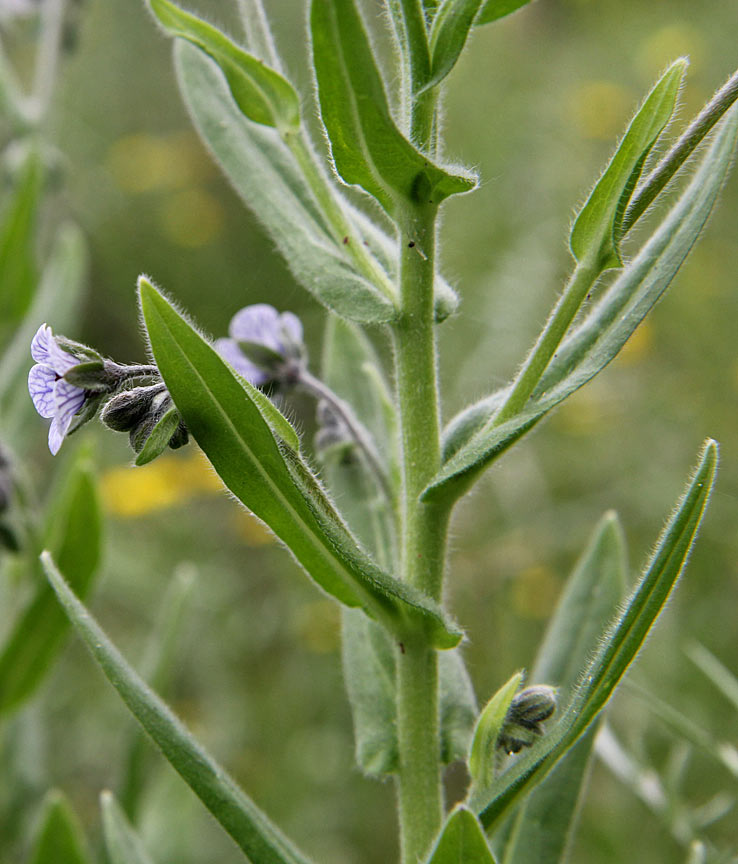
{"type": "Point", "coordinates": [604, 329]}
{"type": "Point", "coordinates": [370, 674]}
{"type": "Point", "coordinates": [262, 842]}
{"type": "Point", "coordinates": [545, 823]}
{"type": "Point", "coordinates": [121, 842]}
{"type": "Point", "coordinates": [275, 485]}
{"type": "Point", "coordinates": [617, 649]}
{"type": "Point", "coordinates": [60, 838]}
{"type": "Point", "coordinates": [493, 10]}
{"type": "Point", "coordinates": [73, 524]}
{"type": "Point", "coordinates": [461, 841]}
{"type": "Point", "coordinates": [368, 149]}
{"type": "Point", "coordinates": [595, 234]}
{"type": "Point", "coordinates": [261, 93]}
{"type": "Point", "coordinates": [264, 174]}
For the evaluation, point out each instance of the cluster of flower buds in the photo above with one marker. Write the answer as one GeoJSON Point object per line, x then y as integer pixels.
{"type": "Point", "coordinates": [71, 383]}
{"type": "Point", "coordinates": [529, 709]}
{"type": "Point", "coordinates": [333, 439]}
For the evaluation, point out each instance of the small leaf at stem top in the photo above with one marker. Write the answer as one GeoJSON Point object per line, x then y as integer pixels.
{"type": "Point", "coordinates": [367, 147]}
{"type": "Point", "coordinates": [596, 232]}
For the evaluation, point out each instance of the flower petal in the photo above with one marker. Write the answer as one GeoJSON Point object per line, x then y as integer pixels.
{"type": "Point", "coordinates": [68, 399]}
{"type": "Point", "coordinates": [41, 380]}
{"type": "Point", "coordinates": [40, 345]}
{"type": "Point", "coordinates": [258, 323]}
{"type": "Point", "coordinates": [233, 355]}
{"type": "Point", "coordinates": [291, 325]}
{"type": "Point", "coordinates": [56, 436]}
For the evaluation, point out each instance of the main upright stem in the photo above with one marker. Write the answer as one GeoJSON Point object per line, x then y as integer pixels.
{"type": "Point", "coordinates": [422, 533]}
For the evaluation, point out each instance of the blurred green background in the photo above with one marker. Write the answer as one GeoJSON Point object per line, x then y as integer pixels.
{"type": "Point", "coordinates": [536, 105]}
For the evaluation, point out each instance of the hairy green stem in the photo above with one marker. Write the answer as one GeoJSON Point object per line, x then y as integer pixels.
{"type": "Point", "coordinates": [423, 533]}
{"type": "Point", "coordinates": [344, 231]}
{"type": "Point", "coordinates": [563, 314]}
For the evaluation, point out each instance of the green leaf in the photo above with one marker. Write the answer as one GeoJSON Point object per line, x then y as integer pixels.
{"type": "Point", "coordinates": [57, 300]}
{"type": "Point", "coordinates": [261, 93]}
{"type": "Point", "coordinates": [462, 841]}
{"type": "Point", "coordinates": [366, 146]}
{"type": "Point", "coordinates": [225, 421]}
{"type": "Point", "coordinates": [545, 823]}
{"type": "Point", "coordinates": [267, 178]}
{"type": "Point", "coordinates": [680, 151]}
{"type": "Point", "coordinates": [452, 24]}
{"type": "Point", "coordinates": [60, 838]}
{"type": "Point", "coordinates": [121, 842]}
{"type": "Point", "coordinates": [262, 842]}
{"type": "Point", "coordinates": [603, 332]}
{"type": "Point", "coordinates": [73, 526]}
{"type": "Point", "coordinates": [157, 667]}
{"type": "Point", "coordinates": [369, 673]}
{"type": "Point", "coordinates": [596, 232]}
{"type": "Point", "coordinates": [483, 753]}
{"type": "Point", "coordinates": [159, 437]}
{"type": "Point", "coordinates": [17, 244]}
{"type": "Point", "coordinates": [369, 669]}
{"type": "Point", "coordinates": [495, 9]}
{"type": "Point", "coordinates": [617, 649]}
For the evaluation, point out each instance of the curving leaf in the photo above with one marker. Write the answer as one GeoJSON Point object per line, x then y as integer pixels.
{"type": "Point", "coordinates": [366, 146]}
{"type": "Point", "coordinates": [266, 176]}
{"type": "Point", "coordinates": [596, 233]}
{"type": "Point", "coordinates": [452, 24]}
{"type": "Point", "coordinates": [262, 841]}
{"type": "Point", "coordinates": [617, 650]}
{"type": "Point", "coordinates": [604, 330]}
{"type": "Point", "coordinates": [545, 823]}
{"type": "Point", "coordinates": [261, 93]}
{"type": "Point", "coordinates": [73, 525]}
{"type": "Point", "coordinates": [272, 482]}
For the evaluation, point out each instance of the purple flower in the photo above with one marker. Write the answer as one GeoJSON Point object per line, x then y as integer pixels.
{"type": "Point", "coordinates": [53, 397]}
{"type": "Point", "coordinates": [264, 347]}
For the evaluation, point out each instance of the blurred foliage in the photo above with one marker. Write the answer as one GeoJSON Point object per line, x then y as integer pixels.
{"type": "Point", "coordinates": [536, 104]}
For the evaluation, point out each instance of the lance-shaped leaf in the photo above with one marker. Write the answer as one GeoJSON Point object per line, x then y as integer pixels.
{"type": "Point", "coordinates": [254, 833]}
{"type": "Point", "coordinates": [462, 841]}
{"type": "Point", "coordinates": [367, 147]}
{"type": "Point", "coordinates": [121, 842]}
{"type": "Point", "coordinates": [603, 332]}
{"type": "Point", "coordinates": [17, 243]}
{"type": "Point", "coordinates": [617, 650]}
{"type": "Point", "coordinates": [452, 24]}
{"type": "Point", "coordinates": [60, 838]}
{"type": "Point", "coordinates": [545, 823]}
{"type": "Point", "coordinates": [272, 482]}
{"type": "Point", "coordinates": [72, 531]}
{"type": "Point", "coordinates": [262, 94]}
{"type": "Point", "coordinates": [369, 668]}
{"type": "Point", "coordinates": [596, 233]}
{"type": "Point", "coordinates": [495, 9]}
{"type": "Point", "coordinates": [267, 178]}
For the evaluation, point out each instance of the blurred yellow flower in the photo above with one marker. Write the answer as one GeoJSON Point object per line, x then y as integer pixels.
{"type": "Point", "coordinates": [146, 163]}
{"type": "Point", "coordinates": [170, 480]}
{"type": "Point", "coordinates": [600, 109]}
{"type": "Point", "coordinates": [534, 592]}
{"type": "Point", "coordinates": [192, 218]}
{"type": "Point", "coordinates": [664, 45]}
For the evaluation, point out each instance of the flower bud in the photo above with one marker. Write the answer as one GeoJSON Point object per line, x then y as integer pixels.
{"type": "Point", "coordinates": [525, 716]}
{"type": "Point", "coordinates": [126, 410]}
